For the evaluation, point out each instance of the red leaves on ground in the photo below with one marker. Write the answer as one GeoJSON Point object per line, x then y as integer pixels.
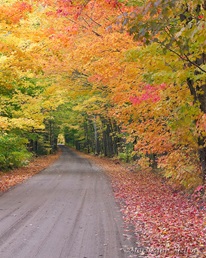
{"type": "Point", "coordinates": [168, 223]}
{"type": "Point", "coordinates": [16, 176]}
{"type": "Point", "coordinates": [165, 220]}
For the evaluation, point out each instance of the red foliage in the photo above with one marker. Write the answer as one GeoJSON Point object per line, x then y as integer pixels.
{"type": "Point", "coordinates": [149, 92]}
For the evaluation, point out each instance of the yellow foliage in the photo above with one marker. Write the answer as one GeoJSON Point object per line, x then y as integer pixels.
{"type": "Point", "coordinates": [4, 123]}
{"type": "Point", "coordinates": [181, 166]}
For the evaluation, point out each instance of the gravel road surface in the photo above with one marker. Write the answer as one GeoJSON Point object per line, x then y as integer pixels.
{"type": "Point", "coordinates": [66, 211]}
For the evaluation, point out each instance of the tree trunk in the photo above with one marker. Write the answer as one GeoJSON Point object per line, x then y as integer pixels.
{"type": "Point", "coordinates": [199, 94]}
{"type": "Point", "coordinates": [202, 156]}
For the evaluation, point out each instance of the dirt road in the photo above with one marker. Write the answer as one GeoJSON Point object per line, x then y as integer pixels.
{"type": "Point", "coordinates": [66, 211]}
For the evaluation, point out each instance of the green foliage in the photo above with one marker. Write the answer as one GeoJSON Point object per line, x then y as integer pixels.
{"type": "Point", "coordinates": [13, 152]}
{"type": "Point", "coordinates": [124, 157]}
{"type": "Point", "coordinates": [126, 153]}
{"type": "Point", "coordinates": [132, 2]}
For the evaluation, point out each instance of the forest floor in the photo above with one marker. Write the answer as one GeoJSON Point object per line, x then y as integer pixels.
{"type": "Point", "coordinates": [167, 222]}
{"type": "Point", "coordinates": [18, 175]}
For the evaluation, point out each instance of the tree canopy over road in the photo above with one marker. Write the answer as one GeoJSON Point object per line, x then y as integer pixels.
{"type": "Point", "coordinates": [114, 77]}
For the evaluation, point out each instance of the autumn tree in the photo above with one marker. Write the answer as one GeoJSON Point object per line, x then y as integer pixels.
{"type": "Point", "coordinates": [115, 77]}
{"type": "Point", "coordinates": [173, 52]}
{"type": "Point", "coordinates": [25, 92]}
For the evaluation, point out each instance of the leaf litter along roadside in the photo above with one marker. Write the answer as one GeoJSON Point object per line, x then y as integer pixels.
{"type": "Point", "coordinates": [19, 175]}
{"type": "Point", "coordinates": [167, 223]}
